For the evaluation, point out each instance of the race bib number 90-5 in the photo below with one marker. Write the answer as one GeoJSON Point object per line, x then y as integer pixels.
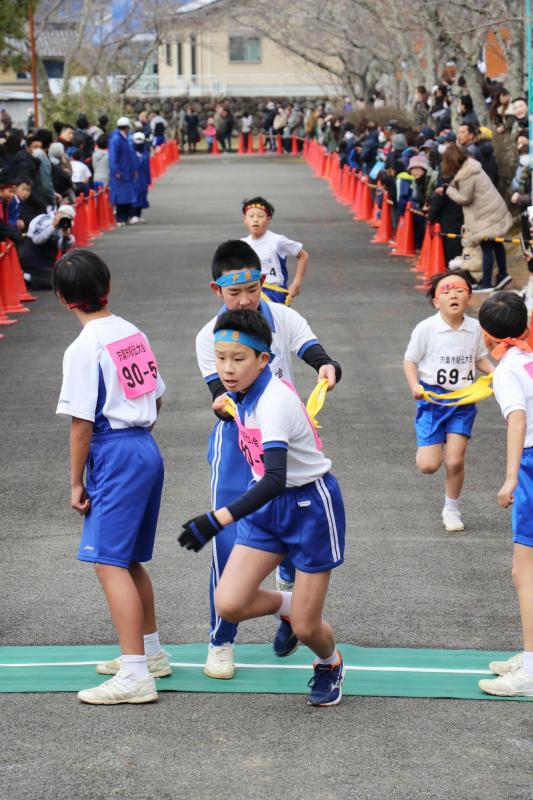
{"type": "Point", "coordinates": [135, 364]}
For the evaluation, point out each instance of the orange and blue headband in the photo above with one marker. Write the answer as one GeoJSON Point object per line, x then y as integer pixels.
{"type": "Point", "coordinates": [238, 277]}
{"type": "Point", "coordinates": [238, 337]}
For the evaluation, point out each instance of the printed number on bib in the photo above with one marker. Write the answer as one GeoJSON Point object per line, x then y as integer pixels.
{"type": "Point", "coordinates": [251, 446]}
{"type": "Point", "coordinates": [135, 364]}
{"type": "Point", "coordinates": [453, 376]}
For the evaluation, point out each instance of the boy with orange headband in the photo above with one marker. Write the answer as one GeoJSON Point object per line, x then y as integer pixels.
{"type": "Point", "coordinates": [273, 250]}
{"type": "Point", "coordinates": [503, 319]}
{"type": "Point", "coordinates": [443, 354]}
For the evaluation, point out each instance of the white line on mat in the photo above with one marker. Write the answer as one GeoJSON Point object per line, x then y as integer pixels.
{"type": "Point", "coordinates": [355, 668]}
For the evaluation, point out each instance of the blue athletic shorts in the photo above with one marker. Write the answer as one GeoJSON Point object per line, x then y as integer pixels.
{"type": "Point", "coordinates": [307, 523]}
{"type": "Point", "coordinates": [124, 479]}
{"type": "Point", "coordinates": [433, 423]}
{"type": "Point", "coordinates": [522, 514]}
{"type": "Point", "coordinates": [277, 294]}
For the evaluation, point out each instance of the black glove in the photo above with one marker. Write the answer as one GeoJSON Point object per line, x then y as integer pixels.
{"type": "Point", "coordinates": [198, 531]}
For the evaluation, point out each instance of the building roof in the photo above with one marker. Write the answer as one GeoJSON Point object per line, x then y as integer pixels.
{"type": "Point", "coordinates": [56, 41]}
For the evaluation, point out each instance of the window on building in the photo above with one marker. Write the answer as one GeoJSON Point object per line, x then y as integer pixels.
{"type": "Point", "coordinates": [245, 48]}
{"type": "Point", "coordinates": [179, 58]}
{"type": "Point", "coordinates": [193, 55]}
{"type": "Point", "coordinates": [168, 55]}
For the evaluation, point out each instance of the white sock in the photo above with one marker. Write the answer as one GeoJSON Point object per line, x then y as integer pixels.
{"type": "Point", "coordinates": [334, 657]}
{"type": "Point", "coordinates": [451, 503]}
{"type": "Point", "coordinates": [152, 645]}
{"type": "Point", "coordinates": [528, 663]}
{"type": "Point", "coordinates": [285, 608]}
{"type": "Point", "coordinates": [138, 665]}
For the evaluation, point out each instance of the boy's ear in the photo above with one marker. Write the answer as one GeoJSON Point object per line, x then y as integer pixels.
{"type": "Point", "coordinates": [435, 302]}
{"type": "Point", "coordinates": [216, 288]}
{"type": "Point", "coordinates": [264, 359]}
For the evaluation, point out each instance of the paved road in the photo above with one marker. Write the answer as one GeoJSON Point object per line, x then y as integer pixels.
{"type": "Point", "coordinates": [404, 582]}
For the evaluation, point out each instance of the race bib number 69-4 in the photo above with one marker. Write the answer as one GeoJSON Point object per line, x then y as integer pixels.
{"type": "Point", "coordinates": [135, 364]}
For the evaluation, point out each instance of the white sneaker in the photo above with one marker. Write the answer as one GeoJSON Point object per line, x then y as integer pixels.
{"type": "Point", "coordinates": [504, 667]}
{"type": "Point", "coordinates": [133, 220]}
{"type": "Point", "coordinates": [158, 666]}
{"type": "Point", "coordinates": [141, 219]}
{"type": "Point", "coordinates": [512, 684]}
{"type": "Point", "coordinates": [124, 687]}
{"type": "Point", "coordinates": [452, 521]}
{"type": "Point", "coordinates": [281, 585]}
{"type": "Point", "coordinates": [220, 662]}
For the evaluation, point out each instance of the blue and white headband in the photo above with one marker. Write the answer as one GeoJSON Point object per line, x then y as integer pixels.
{"type": "Point", "coordinates": [238, 337]}
{"type": "Point", "coordinates": [238, 276]}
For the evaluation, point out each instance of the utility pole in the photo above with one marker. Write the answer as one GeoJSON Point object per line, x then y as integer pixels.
{"type": "Point", "coordinates": [34, 65]}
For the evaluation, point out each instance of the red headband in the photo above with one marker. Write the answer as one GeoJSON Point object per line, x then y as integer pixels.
{"type": "Point", "coordinates": [454, 283]}
{"type": "Point", "coordinates": [503, 345]}
{"type": "Point", "coordinates": [83, 306]}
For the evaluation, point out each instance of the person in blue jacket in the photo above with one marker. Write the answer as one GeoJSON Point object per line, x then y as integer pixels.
{"type": "Point", "coordinates": [122, 171]}
{"type": "Point", "coordinates": [143, 179]}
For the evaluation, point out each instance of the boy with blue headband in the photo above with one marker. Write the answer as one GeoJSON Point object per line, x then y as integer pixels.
{"type": "Point", "coordinates": [293, 506]}
{"type": "Point", "coordinates": [237, 281]}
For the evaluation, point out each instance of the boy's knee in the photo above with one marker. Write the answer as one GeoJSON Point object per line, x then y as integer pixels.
{"type": "Point", "coordinates": [227, 608]}
{"type": "Point", "coordinates": [454, 465]}
{"type": "Point", "coordinates": [428, 466]}
{"type": "Point", "coordinates": [305, 630]}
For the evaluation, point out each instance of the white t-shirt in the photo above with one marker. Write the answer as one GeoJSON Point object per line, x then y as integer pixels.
{"type": "Point", "coordinates": [80, 172]}
{"type": "Point", "coordinates": [444, 356]}
{"type": "Point", "coordinates": [513, 387]}
{"type": "Point", "coordinates": [280, 417]}
{"type": "Point", "coordinates": [290, 334]}
{"type": "Point", "coordinates": [91, 389]}
{"type": "Point", "coordinates": [273, 250]}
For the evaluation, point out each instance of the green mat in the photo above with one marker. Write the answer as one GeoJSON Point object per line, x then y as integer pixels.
{"type": "Point", "coordinates": [378, 672]}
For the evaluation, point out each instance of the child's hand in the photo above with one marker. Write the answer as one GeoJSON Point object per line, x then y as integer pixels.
{"type": "Point", "coordinates": [79, 499]}
{"type": "Point", "coordinates": [327, 371]}
{"type": "Point", "coordinates": [505, 495]}
{"type": "Point", "coordinates": [294, 289]}
{"type": "Point", "coordinates": [417, 392]}
{"type": "Point", "coordinates": [219, 406]}
{"type": "Point", "coordinates": [198, 531]}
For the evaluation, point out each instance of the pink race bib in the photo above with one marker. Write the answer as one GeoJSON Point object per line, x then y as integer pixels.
{"type": "Point", "coordinates": [135, 364]}
{"type": "Point", "coordinates": [251, 446]}
{"type": "Point", "coordinates": [529, 368]}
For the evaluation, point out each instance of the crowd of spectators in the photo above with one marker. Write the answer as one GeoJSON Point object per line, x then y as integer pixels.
{"type": "Point", "coordinates": [44, 170]}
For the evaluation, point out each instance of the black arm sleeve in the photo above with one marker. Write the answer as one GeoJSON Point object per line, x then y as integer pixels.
{"type": "Point", "coordinates": [271, 485]}
{"type": "Point", "coordinates": [316, 357]}
{"type": "Point", "coordinates": [216, 387]}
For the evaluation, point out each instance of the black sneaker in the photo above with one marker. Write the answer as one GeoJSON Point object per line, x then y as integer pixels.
{"type": "Point", "coordinates": [285, 641]}
{"type": "Point", "coordinates": [501, 282]}
{"type": "Point", "coordinates": [478, 288]}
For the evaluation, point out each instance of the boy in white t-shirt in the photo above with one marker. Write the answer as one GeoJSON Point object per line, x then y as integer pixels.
{"type": "Point", "coordinates": [443, 354]}
{"type": "Point", "coordinates": [273, 250]}
{"type": "Point", "coordinates": [292, 507]}
{"type": "Point", "coordinates": [81, 174]}
{"type": "Point", "coordinates": [112, 392]}
{"type": "Point", "coordinates": [503, 319]}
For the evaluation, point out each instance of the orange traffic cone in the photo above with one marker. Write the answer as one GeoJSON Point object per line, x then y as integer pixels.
{"type": "Point", "coordinates": [437, 261]}
{"type": "Point", "coordinates": [365, 207]}
{"type": "Point", "coordinates": [215, 150]}
{"type": "Point", "coordinates": [79, 226]}
{"type": "Point", "coordinates": [279, 145]}
{"type": "Point", "coordinates": [4, 319]}
{"type": "Point", "coordinates": [294, 146]}
{"type": "Point", "coordinates": [423, 259]}
{"type": "Point", "coordinates": [405, 236]}
{"type": "Point", "coordinates": [250, 148]}
{"type": "Point", "coordinates": [384, 232]}
{"type": "Point", "coordinates": [8, 289]}
{"type": "Point", "coordinates": [92, 220]}
{"type": "Point", "coordinates": [101, 215]}
{"type": "Point", "coordinates": [20, 285]}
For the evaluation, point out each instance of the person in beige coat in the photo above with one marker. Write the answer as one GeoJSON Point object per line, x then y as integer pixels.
{"type": "Point", "coordinates": [485, 212]}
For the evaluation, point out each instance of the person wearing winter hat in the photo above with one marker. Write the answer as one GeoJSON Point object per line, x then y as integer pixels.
{"type": "Point", "coordinates": [123, 169]}
{"type": "Point", "coordinates": [425, 180]}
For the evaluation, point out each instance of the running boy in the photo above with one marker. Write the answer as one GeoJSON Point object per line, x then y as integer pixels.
{"type": "Point", "coordinates": [112, 392]}
{"type": "Point", "coordinates": [237, 280]}
{"type": "Point", "coordinates": [294, 506]}
{"type": "Point", "coordinates": [273, 250]}
{"type": "Point", "coordinates": [503, 319]}
{"type": "Point", "coordinates": [443, 354]}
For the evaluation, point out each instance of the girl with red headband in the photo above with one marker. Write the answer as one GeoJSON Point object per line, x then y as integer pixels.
{"type": "Point", "coordinates": [503, 319]}
{"type": "Point", "coordinates": [443, 354]}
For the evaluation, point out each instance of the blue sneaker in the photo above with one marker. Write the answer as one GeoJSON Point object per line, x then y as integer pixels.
{"type": "Point", "coordinates": [326, 684]}
{"type": "Point", "coordinates": [285, 641]}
